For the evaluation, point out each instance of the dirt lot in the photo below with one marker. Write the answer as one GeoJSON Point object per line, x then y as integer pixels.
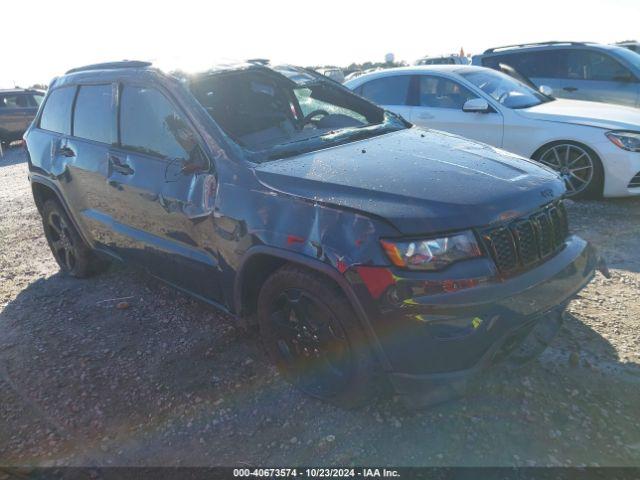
{"type": "Point", "coordinates": [168, 381]}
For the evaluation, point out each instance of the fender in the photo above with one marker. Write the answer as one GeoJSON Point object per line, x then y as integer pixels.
{"type": "Point", "coordinates": [320, 267]}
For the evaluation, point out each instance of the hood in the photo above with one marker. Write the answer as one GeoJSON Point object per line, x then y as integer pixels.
{"type": "Point", "coordinates": [420, 181]}
{"type": "Point", "coordinates": [592, 114]}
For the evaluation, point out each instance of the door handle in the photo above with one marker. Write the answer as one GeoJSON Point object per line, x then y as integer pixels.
{"type": "Point", "coordinates": [66, 152]}
{"type": "Point", "coordinates": [425, 116]}
{"type": "Point", "coordinates": [118, 166]}
{"type": "Point", "coordinates": [570, 89]}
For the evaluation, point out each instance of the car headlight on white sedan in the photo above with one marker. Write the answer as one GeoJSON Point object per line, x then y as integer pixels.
{"type": "Point", "coordinates": [626, 140]}
{"type": "Point", "coordinates": [432, 254]}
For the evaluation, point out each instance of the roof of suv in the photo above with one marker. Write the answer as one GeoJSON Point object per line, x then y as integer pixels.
{"type": "Point", "coordinates": [547, 45]}
{"type": "Point", "coordinates": [19, 90]}
{"type": "Point", "coordinates": [104, 69]}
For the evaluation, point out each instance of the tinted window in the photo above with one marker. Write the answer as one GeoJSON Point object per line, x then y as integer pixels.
{"type": "Point", "coordinates": [56, 115]}
{"type": "Point", "coordinates": [388, 90]}
{"type": "Point", "coordinates": [543, 64]}
{"type": "Point", "coordinates": [150, 124]}
{"type": "Point", "coordinates": [442, 93]}
{"type": "Point", "coordinates": [36, 99]}
{"type": "Point", "coordinates": [14, 100]}
{"type": "Point", "coordinates": [94, 115]}
{"type": "Point", "coordinates": [590, 65]}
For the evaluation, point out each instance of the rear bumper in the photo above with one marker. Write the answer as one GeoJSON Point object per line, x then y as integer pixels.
{"type": "Point", "coordinates": [442, 341]}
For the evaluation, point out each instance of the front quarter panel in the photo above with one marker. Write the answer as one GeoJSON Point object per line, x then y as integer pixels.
{"type": "Point", "coordinates": [248, 217]}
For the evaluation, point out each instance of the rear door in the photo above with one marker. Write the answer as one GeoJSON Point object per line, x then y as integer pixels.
{"type": "Point", "coordinates": [160, 193]}
{"type": "Point", "coordinates": [439, 101]}
{"type": "Point", "coordinates": [390, 92]}
{"type": "Point", "coordinates": [87, 152]}
{"type": "Point", "coordinates": [597, 76]}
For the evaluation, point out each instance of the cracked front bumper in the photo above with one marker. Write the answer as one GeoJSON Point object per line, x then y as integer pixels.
{"type": "Point", "coordinates": [434, 344]}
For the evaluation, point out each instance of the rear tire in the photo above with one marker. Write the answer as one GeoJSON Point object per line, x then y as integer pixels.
{"type": "Point", "coordinates": [579, 166]}
{"type": "Point", "coordinates": [73, 255]}
{"type": "Point", "coordinates": [312, 335]}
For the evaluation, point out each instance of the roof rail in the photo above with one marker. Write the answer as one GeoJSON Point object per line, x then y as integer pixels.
{"type": "Point", "coordinates": [538, 44]}
{"type": "Point", "coordinates": [111, 66]}
{"type": "Point", "coordinates": [258, 61]}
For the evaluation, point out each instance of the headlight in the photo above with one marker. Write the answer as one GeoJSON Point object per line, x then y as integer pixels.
{"type": "Point", "coordinates": [432, 254]}
{"type": "Point", "coordinates": [625, 140]}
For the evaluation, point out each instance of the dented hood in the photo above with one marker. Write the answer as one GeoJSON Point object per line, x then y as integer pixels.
{"type": "Point", "coordinates": [420, 181]}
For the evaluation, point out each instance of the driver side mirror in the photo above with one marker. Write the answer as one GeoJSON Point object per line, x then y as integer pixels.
{"type": "Point", "coordinates": [546, 90]}
{"type": "Point", "coordinates": [476, 105]}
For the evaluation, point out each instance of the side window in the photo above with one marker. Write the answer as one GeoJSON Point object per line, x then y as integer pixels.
{"type": "Point", "coordinates": [14, 100]}
{"type": "Point", "coordinates": [388, 90]}
{"type": "Point", "coordinates": [94, 115]}
{"type": "Point", "coordinates": [542, 64]}
{"type": "Point", "coordinates": [56, 115]}
{"type": "Point", "coordinates": [149, 124]}
{"type": "Point", "coordinates": [35, 99]}
{"type": "Point", "coordinates": [590, 65]}
{"type": "Point", "coordinates": [439, 92]}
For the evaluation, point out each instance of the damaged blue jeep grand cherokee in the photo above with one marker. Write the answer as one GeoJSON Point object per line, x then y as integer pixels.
{"type": "Point", "coordinates": [362, 247]}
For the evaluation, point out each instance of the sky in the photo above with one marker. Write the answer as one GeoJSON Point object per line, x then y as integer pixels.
{"type": "Point", "coordinates": [49, 37]}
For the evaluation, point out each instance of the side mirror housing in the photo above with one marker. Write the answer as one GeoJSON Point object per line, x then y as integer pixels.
{"type": "Point", "coordinates": [546, 90]}
{"type": "Point", "coordinates": [477, 105]}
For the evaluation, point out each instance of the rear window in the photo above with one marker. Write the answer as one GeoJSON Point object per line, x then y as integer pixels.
{"type": "Point", "coordinates": [94, 116]}
{"type": "Point", "coordinates": [388, 90]}
{"type": "Point", "coordinates": [56, 116]}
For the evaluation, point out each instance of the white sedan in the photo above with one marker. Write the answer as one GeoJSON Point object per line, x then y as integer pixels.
{"type": "Point", "coordinates": [594, 146]}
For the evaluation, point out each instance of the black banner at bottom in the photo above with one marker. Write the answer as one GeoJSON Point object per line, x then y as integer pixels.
{"type": "Point", "coordinates": [432, 473]}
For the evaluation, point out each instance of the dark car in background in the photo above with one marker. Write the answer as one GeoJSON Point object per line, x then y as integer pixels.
{"type": "Point", "coordinates": [18, 107]}
{"type": "Point", "coordinates": [574, 70]}
{"type": "Point", "coordinates": [362, 247]}
{"type": "Point", "coordinates": [631, 45]}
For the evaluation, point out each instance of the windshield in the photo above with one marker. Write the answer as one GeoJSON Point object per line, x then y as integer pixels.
{"type": "Point", "coordinates": [275, 115]}
{"type": "Point", "coordinates": [504, 89]}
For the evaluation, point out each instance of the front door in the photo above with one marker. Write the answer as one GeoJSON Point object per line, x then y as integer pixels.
{"type": "Point", "coordinates": [439, 103]}
{"type": "Point", "coordinates": [160, 193]}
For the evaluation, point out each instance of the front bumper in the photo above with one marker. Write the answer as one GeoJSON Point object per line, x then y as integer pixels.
{"type": "Point", "coordinates": [441, 341]}
{"type": "Point", "coordinates": [620, 167]}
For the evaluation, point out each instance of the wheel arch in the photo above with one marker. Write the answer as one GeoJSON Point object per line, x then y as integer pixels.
{"type": "Point", "coordinates": [43, 189]}
{"type": "Point", "coordinates": [580, 144]}
{"type": "Point", "coordinates": [260, 262]}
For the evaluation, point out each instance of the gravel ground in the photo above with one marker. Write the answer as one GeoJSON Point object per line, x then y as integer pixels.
{"type": "Point", "coordinates": [168, 381]}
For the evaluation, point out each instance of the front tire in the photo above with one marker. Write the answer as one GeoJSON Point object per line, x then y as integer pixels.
{"type": "Point", "coordinates": [73, 255]}
{"type": "Point", "coordinates": [578, 165]}
{"type": "Point", "coordinates": [312, 335]}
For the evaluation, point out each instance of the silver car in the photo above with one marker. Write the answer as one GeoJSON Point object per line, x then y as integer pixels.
{"type": "Point", "coordinates": [579, 71]}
